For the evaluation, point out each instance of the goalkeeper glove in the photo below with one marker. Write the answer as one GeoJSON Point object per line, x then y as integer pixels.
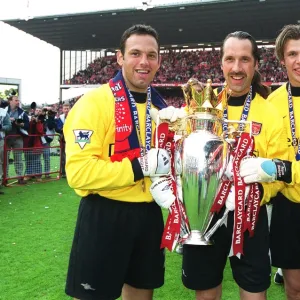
{"type": "Point", "coordinates": [169, 113]}
{"type": "Point", "coordinates": [161, 192]}
{"type": "Point", "coordinates": [155, 163]}
{"type": "Point", "coordinates": [257, 169]}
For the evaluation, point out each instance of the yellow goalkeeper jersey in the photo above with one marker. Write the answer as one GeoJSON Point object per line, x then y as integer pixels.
{"type": "Point", "coordinates": [269, 135]}
{"type": "Point", "coordinates": [89, 132]}
{"type": "Point", "coordinates": [279, 98]}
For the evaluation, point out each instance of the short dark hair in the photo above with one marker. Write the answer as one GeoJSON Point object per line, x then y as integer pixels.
{"type": "Point", "coordinates": [139, 29]}
{"type": "Point", "coordinates": [10, 97]}
{"type": "Point", "coordinates": [288, 32]}
{"type": "Point", "coordinates": [256, 80]}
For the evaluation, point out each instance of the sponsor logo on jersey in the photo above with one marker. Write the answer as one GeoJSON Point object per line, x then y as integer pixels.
{"type": "Point", "coordinates": [256, 128]}
{"type": "Point", "coordinates": [83, 137]}
{"type": "Point", "coordinates": [124, 128]}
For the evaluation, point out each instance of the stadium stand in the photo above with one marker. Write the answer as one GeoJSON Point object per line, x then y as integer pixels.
{"type": "Point", "coordinates": [179, 66]}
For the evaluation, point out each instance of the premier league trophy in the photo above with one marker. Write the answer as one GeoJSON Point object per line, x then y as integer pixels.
{"type": "Point", "coordinates": [204, 155]}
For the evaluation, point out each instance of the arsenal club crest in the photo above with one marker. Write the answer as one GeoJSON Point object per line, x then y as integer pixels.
{"type": "Point", "coordinates": [256, 128]}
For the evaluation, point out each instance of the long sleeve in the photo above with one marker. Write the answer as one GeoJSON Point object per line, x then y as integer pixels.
{"type": "Point", "coordinates": [89, 133]}
{"type": "Point", "coordinates": [26, 122]}
{"type": "Point", "coordinates": [277, 148]}
{"type": "Point", "coordinates": [6, 125]}
{"type": "Point", "coordinates": [279, 98]}
{"type": "Point", "coordinates": [59, 126]}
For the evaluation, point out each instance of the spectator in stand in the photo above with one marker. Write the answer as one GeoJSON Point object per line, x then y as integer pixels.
{"type": "Point", "coordinates": [60, 121]}
{"type": "Point", "coordinates": [5, 126]}
{"type": "Point", "coordinates": [20, 125]}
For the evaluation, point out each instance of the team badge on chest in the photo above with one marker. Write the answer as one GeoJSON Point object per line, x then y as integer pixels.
{"type": "Point", "coordinates": [83, 137]}
{"type": "Point", "coordinates": [256, 128]}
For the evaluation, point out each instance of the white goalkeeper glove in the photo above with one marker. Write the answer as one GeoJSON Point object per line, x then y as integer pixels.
{"type": "Point", "coordinates": [155, 163]}
{"type": "Point", "coordinates": [161, 192]}
{"type": "Point", "coordinates": [169, 113]}
{"type": "Point", "coordinates": [230, 201]}
{"type": "Point", "coordinates": [258, 169]}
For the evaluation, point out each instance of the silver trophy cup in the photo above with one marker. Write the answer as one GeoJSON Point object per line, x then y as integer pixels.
{"type": "Point", "coordinates": [204, 156]}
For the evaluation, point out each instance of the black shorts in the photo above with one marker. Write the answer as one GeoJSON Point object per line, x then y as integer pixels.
{"type": "Point", "coordinates": [115, 242]}
{"type": "Point", "coordinates": [285, 233]}
{"type": "Point", "coordinates": [203, 266]}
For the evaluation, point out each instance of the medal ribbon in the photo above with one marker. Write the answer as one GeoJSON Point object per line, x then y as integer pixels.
{"type": "Point", "coordinates": [293, 122]}
{"type": "Point", "coordinates": [245, 145]}
{"type": "Point", "coordinates": [125, 111]}
{"type": "Point", "coordinates": [148, 129]}
{"type": "Point", "coordinates": [244, 115]}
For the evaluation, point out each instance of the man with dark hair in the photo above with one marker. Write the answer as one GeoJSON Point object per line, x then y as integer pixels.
{"type": "Point", "coordinates": [139, 30]}
{"type": "Point", "coordinates": [20, 125]}
{"type": "Point", "coordinates": [285, 225]}
{"type": "Point", "coordinates": [110, 159]}
{"type": "Point", "coordinates": [203, 266]}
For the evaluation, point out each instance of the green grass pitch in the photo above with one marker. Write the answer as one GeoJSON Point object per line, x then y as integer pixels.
{"type": "Point", "coordinates": [36, 230]}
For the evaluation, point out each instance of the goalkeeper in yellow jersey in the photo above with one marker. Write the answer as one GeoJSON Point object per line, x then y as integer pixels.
{"type": "Point", "coordinates": [285, 222]}
{"type": "Point", "coordinates": [109, 133]}
{"type": "Point", "coordinates": [203, 266]}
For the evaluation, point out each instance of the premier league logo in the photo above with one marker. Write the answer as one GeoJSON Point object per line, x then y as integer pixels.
{"type": "Point", "coordinates": [82, 137]}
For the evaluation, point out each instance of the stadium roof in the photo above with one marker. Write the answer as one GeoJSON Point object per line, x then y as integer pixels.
{"type": "Point", "coordinates": [186, 24]}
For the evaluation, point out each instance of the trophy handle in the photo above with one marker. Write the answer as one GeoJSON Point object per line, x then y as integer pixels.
{"type": "Point", "coordinates": [241, 122]}
{"type": "Point", "coordinates": [218, 224]}
{"type": "Point", "coordinates": [210, 218]}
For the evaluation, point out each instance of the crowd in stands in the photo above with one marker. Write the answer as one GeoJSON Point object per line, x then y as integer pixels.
{"type": "Point", "coordinates": [270, 68]}
{"type": "Point", "coordinates": [178, 67]}
{"type": "Point", "coordinates": [174, 100]}
{"type": "Point", "coordinates": [98, 72]}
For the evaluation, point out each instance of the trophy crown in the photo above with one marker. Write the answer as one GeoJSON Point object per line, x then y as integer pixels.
{"type": "Point", "coordinates": [199, 98]}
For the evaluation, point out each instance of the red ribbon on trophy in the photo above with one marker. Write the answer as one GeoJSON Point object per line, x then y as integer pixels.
{"type": "Point", "coordinates": [221, 196]}
{"type": "Point", "coordinates": [253, 207]}
{"type": "Point", "coordinates": [171, 234]}
{"type": "Point", "coordinates": [246, 210]}
{"type": "Point", "coordinates": [243, 147]}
